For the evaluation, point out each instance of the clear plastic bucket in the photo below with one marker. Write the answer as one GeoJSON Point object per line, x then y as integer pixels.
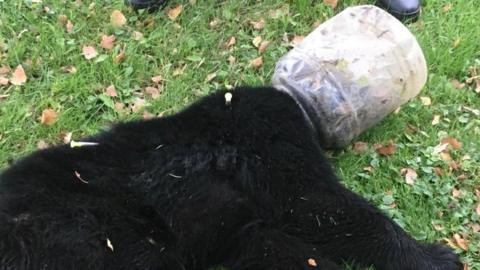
{"type": "Point", "coordinates": [351, 72]}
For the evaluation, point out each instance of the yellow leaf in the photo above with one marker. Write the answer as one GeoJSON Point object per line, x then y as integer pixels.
{"type": "Point", "coordinates": [117, 19]}
{"type": "Point", "coordinates": [173, 13]}
{"type": "Point", "coordinates": [49, 117]}
{"type": "Point", "coordinates": [436, 120]}
{"type": "Point", "coordinates": [426, 101]}
{"type": "Point", "coordinates": [256, 41]}
{"type": "Point", "coordinates": [18, 76]}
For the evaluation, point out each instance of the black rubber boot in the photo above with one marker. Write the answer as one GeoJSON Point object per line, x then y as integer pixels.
{"type": "Point", "coordinates": [151, 5]}
{"type": "Point", "coordinates": [402, 9]}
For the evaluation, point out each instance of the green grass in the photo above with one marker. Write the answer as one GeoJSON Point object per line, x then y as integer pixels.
{"type": "Point", "coordinates": [192, 44]}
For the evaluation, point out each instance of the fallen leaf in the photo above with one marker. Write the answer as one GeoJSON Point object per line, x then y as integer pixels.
{"type": "Point", "coordinates": [446, 156]}
{"type": "Point", "coordinates": [108, 42]}
{"type": "Point", "coordinates": [465, 266]}
{"type": "Point", "coordinates": [296, 40]}
{"type": "Point", "coordinates": [438, 171]}
{"type": "Point", "coordinates": [148, 115]}
{"type": "Point", "coordinates": [42, 144]}
{"type": "Point", "coordinates": [256, 41]}
{"type": "Point", "coordinates": [436, 120]}
{"type": "Point", "coordinates": [119, 57]}
{"type": "Point", "coordinates": [231, 41]}
{"type": "Point", "coordinates": [18, 76]}
{"type": "Point", "coordinates": [447, 7]}
{"type": "Point", "coordinates": [66, 138]}
{"type": "Point", "coordinates": [214, 23]}
{"type": "Point", "coordinates": [62, 20]}
{"type": "Point", "coordinates": [440, 148]}
{"type": "Point", "coordinates": [312, 262]}
{"type": "Point", "coordinates": [211, 76]}
{"type": "Point", "coordinates": [397, 110]}
{"type": "Point", "coordinates": [426, 101]}
{"type": "Point", "coordinates": [456, 193]}
{"type": "Point", "coordinates": [387, 150]}
{"type": "Point", "coordinates": [153, 92]}
{"type": "Point", "coordinates": [332, 3]}
{"type": "Point", "coordinates": [111, 91]}
{"type": "Point", "coordinates": [453, 142]}
{"type": "Point", "coordinates": [231, 59]}
{"type": "Point", "coordinates": [157, 79]}
{"type": "Point", "coordinates": [410, 175]}
{"type": "Point", "coordinates": [263, 46]}
{"type": "Point", "coordinates": [257, 62]}
{"type": "Point", "coordinates": [460, 242]}
{"type": "Point", "coordinates": [457, 84]}
{"type": "Point", "coordinates": [258, 25]}
{"type": "Point", "coordinates": [89, 52]}
{"type": "Point", "coordinates": [68, 69]}
{"type": "Point", "coordinates": [477, 210]}
{"type": "Point", "coordinates": [109, 244]}
{"type": "Point", "coordinates": [360, 147]}
{"type": "Point", "coordinates": [3, 80]}
{"type": "Point", "coordinates": [69, 26]}
{"type": "Point", "coordinates": [456, 43]}
{"type": "Point", "coordinates": [137, 35]}
{"type": "Point", "coordinates": [119, 106]}
{"type": "Point", "coordinates": [173, 13]}
{"type": "Point", "coordinates": [49, 117]}
{"type": "Point", "coordinates": [117, 19]}
{"type": "Point", "coordinates": [438, 227]}
{"type": "Point", "coordinates": [368, 169]}
{"type": "Point", "coordinates": [4, 70]}
{"type": "Point", "coordinates": [138, 104]}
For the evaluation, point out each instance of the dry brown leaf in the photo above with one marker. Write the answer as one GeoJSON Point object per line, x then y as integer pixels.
{"type": "Point", "coordinates": [42, 144]}
{"type": "Point", "coordinates": [256, 41]}
{"type": "Point", "coordinates": [460, 242]}
{"type": "Point", "coordinates": [69, 26]}
{"type": "Point", "coordinates": [231, 41]}
{"type": "Point", "coordinates": [466, 267]}
{"type": "Point", "coordinates": [446, 156]}
{"type": "Point", "coordinates": [111, 91]}
{"type": "Point", "coordinates": [89, 52]}
{"type": "Point", "coordinates": [387, 150]}
{"type": "Point", "coordinates": [3, 80]}
{"type": "Point", "coordinates": [68, 69]}
{"type": "Point", "coordinates": [426, 101]}
{"type": "Point", "coordinates": [157, 79]}
{"type": "Point", "coordinates": [119, 106]}
{"type": "Point", "coordinates": [153, 92]}
{"type": "Point", "coordinates": [453, 142]}
{"type": "Point", "coordinates": [66, 138]}
{"type": "Point", "coordinates": [296, 40]}
{"type": "Point", "coordinates": [258, 25]}
{"type": "Point", "coordinates": [447, 7]}
{"type": "Point", "coordinates": [436, 120]}
{"type": "Point", "coordinates": [49, 117]}
{"type": "Point", "coordinates": [210, 76]}
{"type": "Point", "coordinates": [442, 147]}
{"type": "Point", "coordinates": [148, 115]}
{"type": "Point", "coordinates": [438, 227]}
{"type": "Point", "coordinates": [119, 57]}
{"type": "Point", "coordinates": [410, 175]}
{"type": "Point", "coordinates": [117, 19]}
{"type": "Point", "coordinates": [457, 84]}
{"type": "Point", "coordinates": [138, 104]}
{"type": "Point", "coordinates": [312, 262]}
{"type": "Point", "coordinates": [438, 171]}
{"type": "Point", "coordinates": [257, 62]}
{"type": "Point", "coordinates": [137, 35]}
{"type": "Point", "coordinates": [62, 20]}
{"type": "Point", "coordinates": [332, 3]}
{"type": "Point", "coordinates": [18, 76]}
{"type": "Point", "coordinates": [360, 147]}
{"type": "Point", "coordinates": [231, 59]}
{"type": "Point", "coordinates": [173, 13]}
{"type": "Point", "coordinates": [456, 193]}
{"type": "Point", "coordinates": [263, 46]}
{"type": "Point", "coordinates": [369, 169]}
{"type": "Point", "coordinates": [477, 210]}
{"type": "Point", "coordinates": [108, 42]}
{"type": "Point", "coordinates": [4, 69]}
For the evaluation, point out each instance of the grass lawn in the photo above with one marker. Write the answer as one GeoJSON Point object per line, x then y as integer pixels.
{"type": "Point", "coordinates": [190, 55]}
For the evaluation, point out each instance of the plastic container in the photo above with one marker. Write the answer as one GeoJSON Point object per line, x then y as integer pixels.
{"type": "Point", "coordinates": [351, 72]}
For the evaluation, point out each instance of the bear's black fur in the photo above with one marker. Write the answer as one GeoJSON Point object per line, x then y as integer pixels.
{"type": "Point", "coordinates": [243, 185]}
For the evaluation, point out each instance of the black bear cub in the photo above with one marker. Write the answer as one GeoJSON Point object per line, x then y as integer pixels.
{"type": "Point", "coordinates": [238, 183]}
